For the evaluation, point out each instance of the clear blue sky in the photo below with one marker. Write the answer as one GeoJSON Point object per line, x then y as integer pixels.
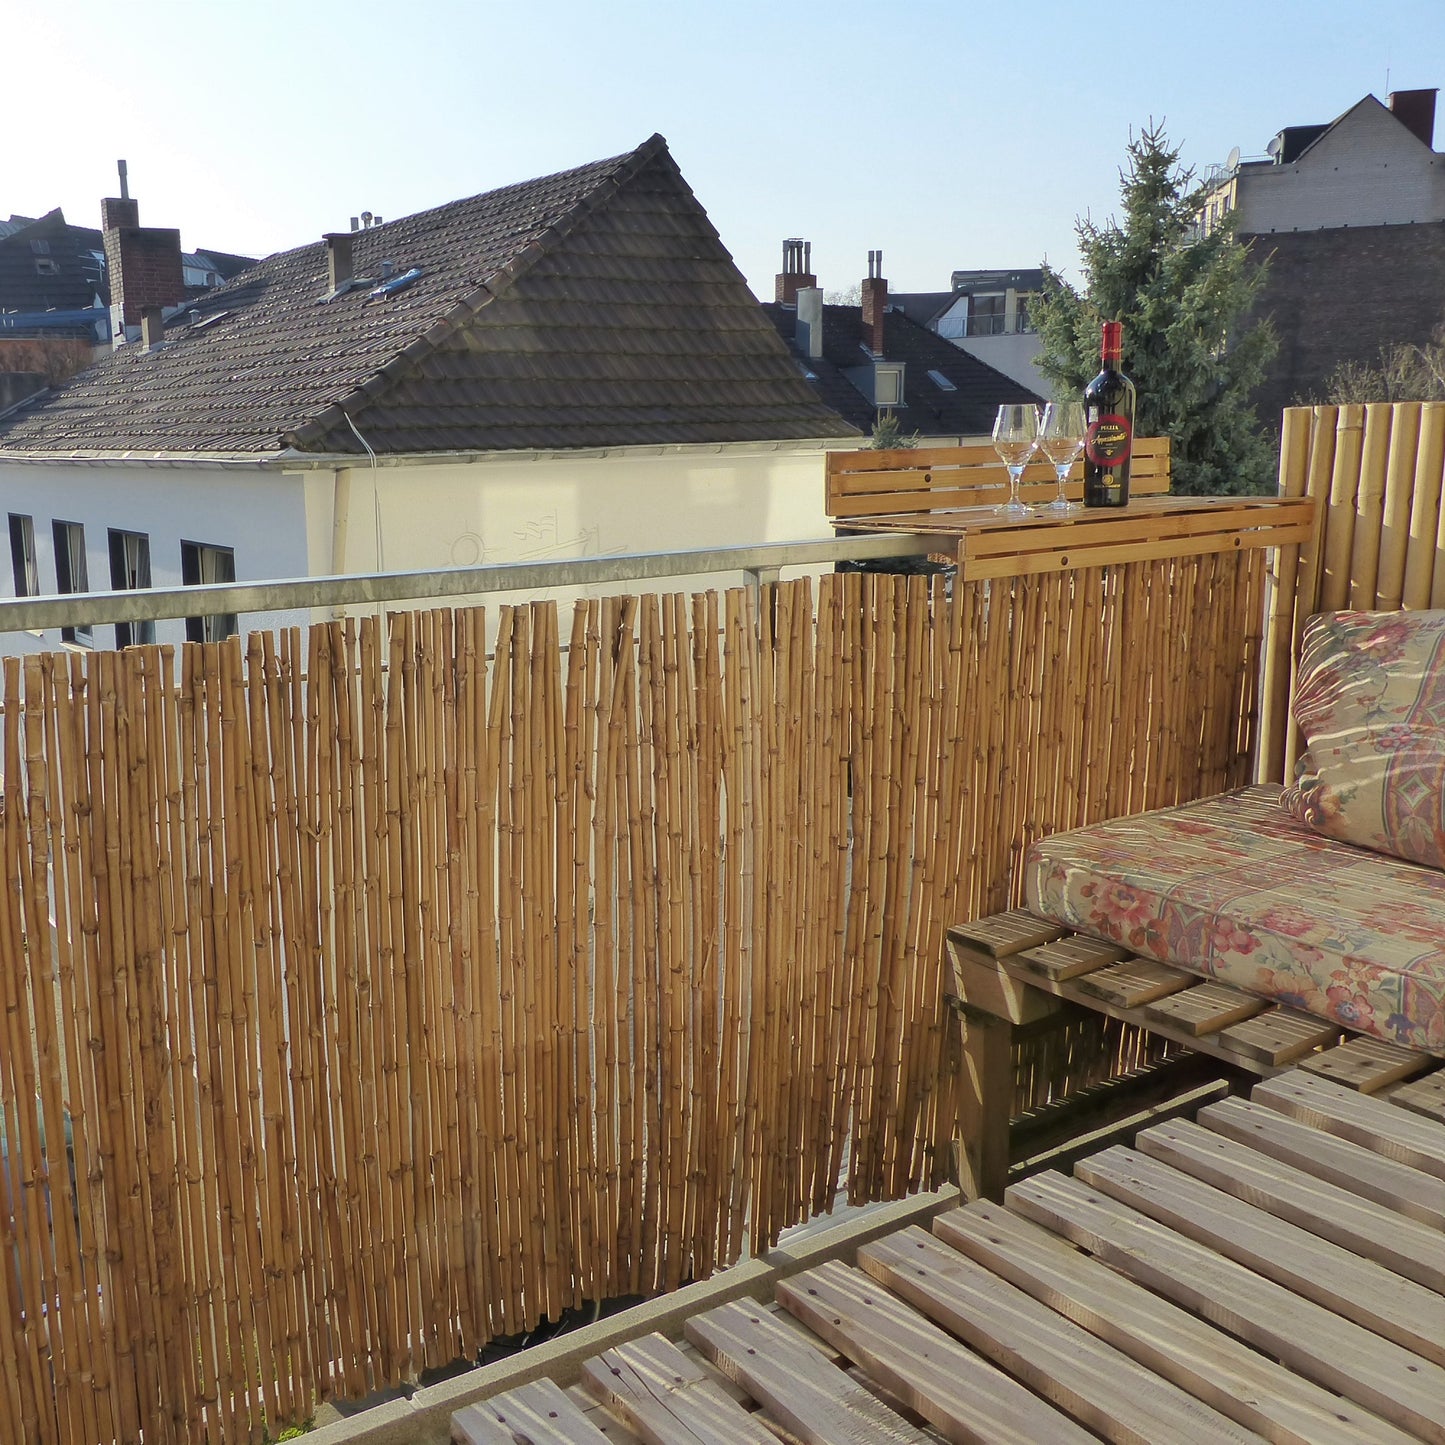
{"type": "Point", "coordinates": [949, 134]}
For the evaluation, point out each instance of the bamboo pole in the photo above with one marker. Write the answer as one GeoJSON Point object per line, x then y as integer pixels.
{"type": "Point", "coordinates": [1281, 603]}
{"type": "Point", "coordinates": [1334, 589]}
{"type": "Point", "coordinates": [1423, 548]}
{"type": "Point", "coordinates": [1399, 490]}
{"type": "Point", "coordinates": [1369, 505]}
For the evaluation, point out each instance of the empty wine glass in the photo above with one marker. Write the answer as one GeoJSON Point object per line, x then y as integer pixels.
{"type": "Point", "coordinates": [1015, 439]}
{"type": "Point", "coordinates": [1061, 439]}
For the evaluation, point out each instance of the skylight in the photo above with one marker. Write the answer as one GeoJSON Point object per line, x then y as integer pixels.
{"type": "Point", "coordinates": [941, 381]}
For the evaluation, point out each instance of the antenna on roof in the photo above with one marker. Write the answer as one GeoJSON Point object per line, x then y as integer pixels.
{"type": "Point", "coordinates": [124, 183]}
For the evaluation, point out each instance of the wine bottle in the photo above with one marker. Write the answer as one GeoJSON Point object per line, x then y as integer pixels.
{"type": "Point", "coordinates": [1109, 427]}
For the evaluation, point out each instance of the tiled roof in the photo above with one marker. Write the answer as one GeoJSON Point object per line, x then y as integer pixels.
{"type": "Point", "coordinates": [928, 409]}
{"type": "Point", "coordinates": [596, 307]}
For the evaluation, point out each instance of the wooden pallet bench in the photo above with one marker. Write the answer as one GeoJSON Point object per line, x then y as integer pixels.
{"type": "Point", "coordinates": [1015, 969]}
{"type": "Point", "coordinates": [1271, 1269]}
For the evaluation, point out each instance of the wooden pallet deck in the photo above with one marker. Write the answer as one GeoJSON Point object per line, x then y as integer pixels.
{"type": "Point", "coordinates": [1273, 1269]}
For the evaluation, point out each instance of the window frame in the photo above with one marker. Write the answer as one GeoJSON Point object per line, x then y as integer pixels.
{"type": "Point", "coordinates": [130, 571]}
{"type": "Point", "coordinates": [72, 574]}
{"type": "Point", "coordinates": [213, 626]}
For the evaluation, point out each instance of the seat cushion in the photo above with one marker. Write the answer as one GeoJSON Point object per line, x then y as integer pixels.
{"type": "Point", "coordinates": [1370, 700]}
{"type": "Point", "coordinates": [1235, 888]}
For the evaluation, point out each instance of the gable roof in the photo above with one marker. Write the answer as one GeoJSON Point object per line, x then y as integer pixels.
{"type": "Point", "coordinates": [594, 307]}
{"type": "Point", "coordinates": [930, 410]}
{"type": "Point", "coordinates": [46, 264]}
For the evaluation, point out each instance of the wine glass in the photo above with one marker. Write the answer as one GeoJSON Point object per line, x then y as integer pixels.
{"type": "Point", "coordinates": [1061, 439]}
{"type": "Point", "coordinates": [1015, 439]}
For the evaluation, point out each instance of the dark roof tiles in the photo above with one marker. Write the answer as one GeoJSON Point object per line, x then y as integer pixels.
{"type": "Point", "coordinates": [595, 307]}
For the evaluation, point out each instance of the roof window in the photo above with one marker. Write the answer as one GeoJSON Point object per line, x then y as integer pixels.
{"type": "Point", "coordinates": [941, 381]}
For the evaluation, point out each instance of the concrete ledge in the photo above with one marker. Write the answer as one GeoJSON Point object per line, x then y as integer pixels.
{"type": "Point", "coordinates": [425, 1419]}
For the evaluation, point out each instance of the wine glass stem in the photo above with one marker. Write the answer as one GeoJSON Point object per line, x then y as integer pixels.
{"type": "Point", "coordinates": [1063, 474]}
{"type": "Point", "coordinates": [1015, 476]}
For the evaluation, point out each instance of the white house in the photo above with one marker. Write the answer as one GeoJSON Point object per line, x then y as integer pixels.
{"type": "Point", "coordinates": [569, 367]}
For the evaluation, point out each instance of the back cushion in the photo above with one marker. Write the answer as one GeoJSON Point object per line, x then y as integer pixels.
{"type": "Point", "coordinates": [1370, 699]}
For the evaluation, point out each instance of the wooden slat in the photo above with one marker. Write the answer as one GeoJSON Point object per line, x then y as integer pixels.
{"type": "Point", "coordinates": [1006, 933]}
{"type": "Point", "coordinates": [1337, 1161]}
{"type": "Point", "coordinates": [1409, 1248]}
{"type": "Point", "coordinates": [598, 1415]}
{"type": "Point", "coordinates": [812, 1398]}
{"type": "Point", "coordinates": [1314, 1268]}
{"type": "Point", "coordinates": [1367, 1064]}
{"type": "Point", "coordinates": [540, 1413]}
{"type": "Point", "coordinates": [1097, 1384]}
{"type": "Point", "coordinates": [664, 1396]}
{"type": "Point", "coordinates": [1374, 1123]}
{"type": "Point", "coordinates": [1311, 1340]}
{"type": "Point", "coordinates": [1069, 957]}
{"type": "Point", "coordinates": [1425, 1096]}
{"type": "Point", "coordinates": [1278, 1036]}
{"type": "Point", "coordinates": [1206, 1009]}
{"type": "Point", "coordinates": [1134, 982]}
{"type": "Point", "coordinates": [966, 1398]}
{"type": "Point", "coordinates": [1218, 1369]}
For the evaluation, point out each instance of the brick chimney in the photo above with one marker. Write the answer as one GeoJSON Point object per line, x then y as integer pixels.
{"type": "Point", "coordinates": [797, 271]}
{"type": "Point", "coordinates": [143, 262]}
{"type": "Point", "coordinates": [875, 302]}
{"type": "Point", "coordinates": [1415, 110]}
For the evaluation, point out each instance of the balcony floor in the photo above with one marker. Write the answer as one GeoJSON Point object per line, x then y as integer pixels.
{"type": "Point", "coordinates": [1271, 1268]}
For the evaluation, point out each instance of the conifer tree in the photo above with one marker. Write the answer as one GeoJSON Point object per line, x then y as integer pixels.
{"type": "Point", "coordinates": [1189, 344]}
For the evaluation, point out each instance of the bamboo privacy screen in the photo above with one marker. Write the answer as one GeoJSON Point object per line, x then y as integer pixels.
{"type": "Point", "coordinates": [399, 994]}
{"type": "Point", "coordinates": [1376, 474]}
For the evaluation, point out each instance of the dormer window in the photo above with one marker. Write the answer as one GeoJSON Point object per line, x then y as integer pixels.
{"type": "Point", "coordinates": [887, 384]}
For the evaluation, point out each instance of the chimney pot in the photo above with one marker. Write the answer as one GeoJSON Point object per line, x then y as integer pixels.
{"type": "Point", "coordinates": [797, 271]}
{"type": "Point", "coordinates": [808, 332]}
{"type": "Point", "coordinates": [875, 302]}
{"type": "Point", "coordinates": [152, 327]}
{"type": "Point", "coordinates": [338, 258]}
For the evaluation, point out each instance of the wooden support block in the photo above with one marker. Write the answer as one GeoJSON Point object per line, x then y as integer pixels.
{"type": "Point", "coordinates": [1278, 1036]}
{"type": "Point", "coordinates": [1424, 1096]}
{"type": "Point", "coordinates": [664, 1396]}
{"type": "Point", "coordinates": [985, 1102]}
{"type": "Point", "coordinates": [1069, 957]}
{"type": "Point", "coordinates": [983, 983]}
{"type": "Point", "coordinates": [1134, 982]}
{"type": "Point", "coordinates": [1004, 933]}
{"type": "Point", "coordinates": [1367, 1064]}
{"type": "Point", "coordinates": [1206, 1009]}
{"type": "Point", "coordinates": [812, 1398]}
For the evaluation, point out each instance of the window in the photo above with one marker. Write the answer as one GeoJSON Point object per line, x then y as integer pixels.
{"type": "Point", "coordinates": [201, 564]}
{"type": "Point", "coordinates": [22, 556]}
{"type": "Point", "coordinates": [887, 384]}
{"type": "Point", "coordinates": [941, 381]}
{"type": "Point", "coordinates": [46, 267]}
{"type": "Point", "coordinates": [130, 569]}
{"type": "Point", "coordinates": [986, 314]}
{"type": "Point", "coordinates": [39, 247]}
{"type": "Point", "coordinates": [70, 572]}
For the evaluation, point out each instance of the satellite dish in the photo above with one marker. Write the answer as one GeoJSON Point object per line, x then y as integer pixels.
{"type": "Point", "coordinates": [1231, 161]}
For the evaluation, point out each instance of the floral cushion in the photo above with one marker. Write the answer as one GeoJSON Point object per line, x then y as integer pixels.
{"type": "Point", "coordinates": [1237, 889]}
{"type": "Point", "coordinates": [1370, 699]}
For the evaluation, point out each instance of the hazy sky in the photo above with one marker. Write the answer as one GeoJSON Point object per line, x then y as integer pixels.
{"type": "Point", "coordinates": [949, 134]}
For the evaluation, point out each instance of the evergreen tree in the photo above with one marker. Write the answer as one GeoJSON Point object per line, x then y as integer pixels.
{"type": "Point", "coordinates": [1188, 344]}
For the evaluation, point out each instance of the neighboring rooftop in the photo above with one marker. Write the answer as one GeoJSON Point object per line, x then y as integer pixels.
{"type": "Point", "coordinates": [592, 308]}
{"type": "Point", "coordinates": [946, 392]}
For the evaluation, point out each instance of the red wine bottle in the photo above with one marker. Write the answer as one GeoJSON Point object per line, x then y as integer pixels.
{"type": "Point", "coordinates": [1108, 427]}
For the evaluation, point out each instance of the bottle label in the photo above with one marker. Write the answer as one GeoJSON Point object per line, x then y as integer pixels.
{"type": "Point", "coordinates": [1109, 440]}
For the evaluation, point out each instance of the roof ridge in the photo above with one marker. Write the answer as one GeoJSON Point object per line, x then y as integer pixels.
{"type": "Point", "coordinates": [371, 388]}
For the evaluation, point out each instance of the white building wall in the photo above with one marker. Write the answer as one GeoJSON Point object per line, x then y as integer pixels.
{"type": "Point", "coordinates": [422, 516]}
{"type": "Point", "coordinates": [259, 515]}
{"type": "Point", "coordinates": [1368, 171]}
